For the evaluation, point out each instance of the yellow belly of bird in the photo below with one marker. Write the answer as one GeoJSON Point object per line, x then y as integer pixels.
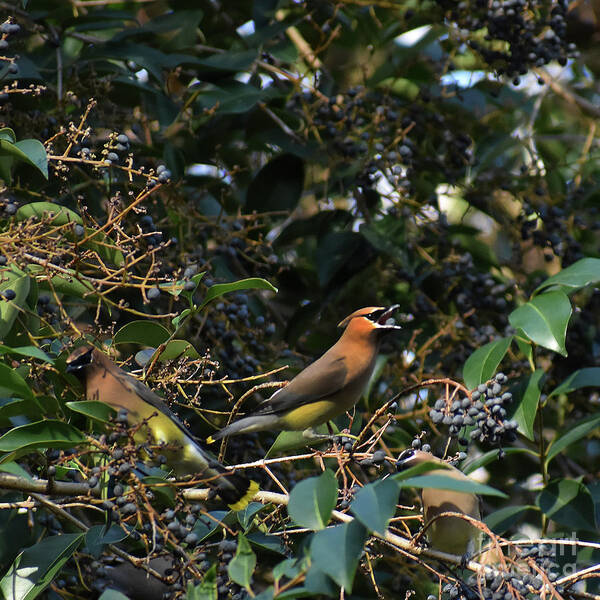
{"type": "Point", "coordinates": [311, 415]}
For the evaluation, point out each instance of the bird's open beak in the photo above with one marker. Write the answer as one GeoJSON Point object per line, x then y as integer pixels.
{"type": "Point", "coordinates": [386, 316]}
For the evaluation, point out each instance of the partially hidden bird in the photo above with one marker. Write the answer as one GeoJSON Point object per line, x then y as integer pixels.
{"type": "Point", "coordinates": [452, 535]}
{"type": "Point", "coordinates": [329, 386]}
{"type": "Point", "coordinates": [105, 381]}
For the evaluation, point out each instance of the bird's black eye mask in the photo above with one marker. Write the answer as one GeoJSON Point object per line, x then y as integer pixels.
{"type": "Point", "coordinates": [381, 316]}
{"type": "Point", "coordinates": [404, 461]}
{"type": "Point", "coordinates": [79, 360]}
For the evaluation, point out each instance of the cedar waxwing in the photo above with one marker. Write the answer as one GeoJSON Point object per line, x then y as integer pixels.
{"type": "Point", "coordinates": [447, 534]}
{"type": "Point", "coordinates": [328, 387]}
{"type": "Point", "coordinates": [105, 381]}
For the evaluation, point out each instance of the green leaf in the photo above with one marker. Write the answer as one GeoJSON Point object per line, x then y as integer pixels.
{"type": "Point", "coordinates": [588, 377]}
{"type": "Point", "coordinates": [442, 482]}
{"type": "Point", "coordinates": [246, 516]}
{"type": "Point", "coordinates": [482, 364]}
{"type": "Point", "coordinates": [48, 433]}
{"type": "Point", "coordinates": [206, 526]}
{"type": "Point", "coordinates": [109, 594]}
{"type": "Point", "coordinates": [318, 582]}
{"type": "Point", "coordinates": [9, 310]}
{"type": "Point", "coordinates": [93, 409]}
{"type": "Point", "coordinates": [485, 459]}
{"type": "Point", "coordinates": [15, 469]}
{"type": "Point", "coordinates": [527, 408]}
{"type": "Point", "coordinates": [569, 503]}
{"type": "Point", "coordinates": [337, 252]}
{"type": "Point", "coordinates": [31, 152]}
{"type": "Point", "coordinates": [35, 567]}
{"type": "Point", "coordinates": [12, 384]}
{"type": "Point", "coordinates": [375, 504]}
{"type": "Point", "coordinates": [501, 520]}
{"type": "Point", "coordinates": [292, 440]}
{"type": "Point", "coordinates": [177, 348]}
{"type": "Point", "coordinates": [336, 551]}
{"type": "Point", "coordinates": [144, 333]}
{"type": "Point", "coordinates": [242, 565]}
{"type": "Point", "coordinates": [31, 351]}
{"type": "Point", "coordinates": [265, 541]}
{"type": "Point", "coordinates": [584, 272]}
{"type": "Point", "coordinates": [230, 61]}
{"type": "Point", "coordinates": [277, 186]}
{"type": "Point", "coordinates": [6, 133]}
{"type": "Point", "coordinates": [206, 589]}
{"type": "Point", "coordinates": [313, 499]}
{"type": "Point", "coordinates": [55, 213]}
{"type": "Point", "coordinates": [220, 289]}
{"type": "Point", "coordinates": [96, 538]}
{"type": "Point", "coordinates": [176, 322]}
{"type": "Point", "coordinates": [544, 320]}
{"type": "Point", "coordinates": [574, 433]}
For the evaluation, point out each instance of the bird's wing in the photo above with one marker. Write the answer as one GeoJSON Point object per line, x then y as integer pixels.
{"type": "Point", "coordinates": [313, 383]}
{"type": "Point", "coordinates": [147, 395]}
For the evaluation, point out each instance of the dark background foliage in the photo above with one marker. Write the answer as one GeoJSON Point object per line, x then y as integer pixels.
{"type": "Point", "coordinates": [441, 155]}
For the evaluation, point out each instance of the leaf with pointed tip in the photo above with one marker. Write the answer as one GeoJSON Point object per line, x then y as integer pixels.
{"type": "Point", "coordinates": [581, 273]}
{"type": "Point", "coordinates": [375, 504]}
{"type": "Point", "coordinates": [482, 364]}
{"type": "Point", "coordinates": [528, 405]}
{"type": "Point", "coordinates": [588, 377]}
{"type": "Point", "coordinates": [313, 499]}
{"type": "Point", "coordinates": [336, 551]}
{"type": "Point", "coordinates": [544, 320]}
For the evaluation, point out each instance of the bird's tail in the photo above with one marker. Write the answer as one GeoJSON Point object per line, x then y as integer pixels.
{"type": "Point", "coordinates": [245, 425]}
{"type": "Point", "coordinates": [236, 490]}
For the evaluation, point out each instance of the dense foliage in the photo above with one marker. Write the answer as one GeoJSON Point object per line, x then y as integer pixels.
{"type": "Point", "coordinates": [203, 190]}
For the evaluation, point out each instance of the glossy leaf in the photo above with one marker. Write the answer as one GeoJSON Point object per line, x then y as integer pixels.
{"type": "Point", "coordinates": [31, 351]}
{"type": "Point", "coordinates": [292, 440]}
{"type": "Point", "coordinates": [96, 538]}
{"type": "Point", "coordinates": [501, 520]}
{"type": "Point", "coordinates": [528, 405]}
{"type": "Point", "coordinates": [442, 482]}
{"type": "Point", "coordinates": [9, 309]}
{"type": "Point", "coordinates": [35, 567]}
{"type": "Point", "coordinates": [336, 550]}
{"type": "Point", "coordinates": [58, 215]}
{"type": "Point", "coordinates": [585, 271]}
{"type": "Point", "coordinates": [277, 186]}
{"type": "Point", "coordinates": [589, 377]}
{"type": "Point", "coordinates": [48, 433]}
{"type": "Point", "coordinates": [482, 364]}
{"type": "Point", "coordinates": [220, 289]}
{"type": "Point", "coordinates": [12, 385]}
{"type": "Point", "coordinates": [488, 457]}
{"type": "Point", "coordinates": [313, 499]}
{"type": "Point", "coordinates": [544, 320]}
{"type": "Point", "coordinates": [176, 349]}
{"type": "Point", "coordinates": [145, 333]}
{"type": "Point", "coordinates": [31, 152]}
{"type": "Point", "coordinates": [93, 409]}
{"type": "Point", "coordinates": [375, 504]}
{"type": "Point", "coordinates": [110, 594]}
{"type": "Point", "coordinates": [569, 503]}
{"type": "Point", "coordinates": [242, 565]}
{"type": "Point", "coordinates": [575, 432]}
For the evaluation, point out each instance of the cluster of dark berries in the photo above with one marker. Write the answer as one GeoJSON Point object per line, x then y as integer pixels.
{"type": "Point", "coordinates": [9, 204]}
{"type": "Point", "coordinates": [116, 149]}
{"type": "Point", "coordinates": [7, 29]}
{"type": "Point", "coordinates": [8, 294]}
{"type": "Point", "coordinates": [548, 228]}
{"type": "Point", "coordinates": [152, 236]}
{"type": "Point", "coordinates": [534, 36]}
{"type": "Point", "coordinates": [381, 134]}
{"type": "Point", "coordinates": [163, 175]}
{"type": "Point", "coordinates": [485, 411]}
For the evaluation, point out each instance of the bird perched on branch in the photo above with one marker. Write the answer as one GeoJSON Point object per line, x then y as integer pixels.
{"type": "Point", "coordinates": [328, 387]}
{"type": "Point", "coordinates": [453, 535]}
{"type": "Point", "coordinates": [106, 382]}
